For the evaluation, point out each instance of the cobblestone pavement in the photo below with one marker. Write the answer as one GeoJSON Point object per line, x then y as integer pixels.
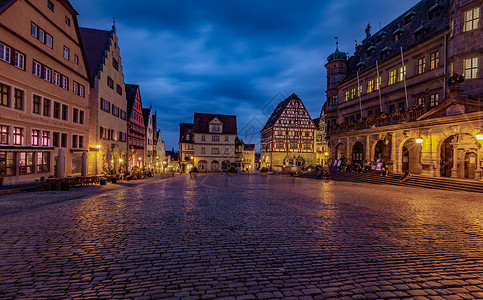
{"type": "Point", "coordinates": [247, 237]}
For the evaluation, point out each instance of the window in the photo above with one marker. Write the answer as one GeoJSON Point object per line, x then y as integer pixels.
{"type": "Point", "coordinates": [434, 60]}
{"type": "Point", "coordinates": [420, 100]}
{"type": "Point", "coordinates": [37, 69]}
{"type": "Point", "coordinates": [33, 30]}
{"type": "Point", "coordinates": [67, 21]}
{"type": "Point", "coordinates": [123, 115]}
{"type": "Point", "coordinates": [75, 138]}
{"type": "Point", "coordinates": [45, 138]}
{"type": "Point", "coordinates": [48, 40]}
{"type": "Point", "coordinates": [25, 163]}
{"type": "Point", "coordinates": [370, 86]}
{"type": "Point", "coordinates": [106, 105]}
{"type": "Point", "coordinates": [35, 137]}
{"type": "Point", "coordinates": [81, 141]}
{"type": "Point", "coordinates": [334, 100]}
{"type": "Point", "coordinates": [65, 112]}
{"type": "Point", "coordinates": [56, 139]}
{"type": "Point", "coordinates": [19, 60]}
{"type": "Point", "coordinates": [18, 99]}
{"type": "Point", "coordinates": [203, 138]}
{"type": "Point", "coordinates": [401, 73]}
{"type": "Point", "coordinates": [81, 117]}
{"type": "Point", "coordinates": [36, 105]}
{"type": "Point", "coordinates": [470, 68]}
{"type": "Point", "coordinates": [76, 59]}
{"type": "Point", "coordinates": [66, 53]}
{"type": "Point", "coordinates": [57, 110]}
{"type": "Point", "coordinates": [392, 77]}
{"type": "Point", "coordinates": [378, 83]}
{"type": "Point", "coordinates": [203, 151]}
{"type": "Point", "coordinates": [57, 79]}
{"type": "Point", "coordinates": [3, 134]}
{"type": "Point", "coordinates": [4, 52]}
{"type": "Point", "coordinates": [226, 138]}
{"type": "Point", "coordinates": [226, 151]}
{"type": "Point", "coordinates": [41, 35]}
{"type": "Point", "coordinates": [46, 109]}
{"type": "Point", "coordinates": [43, 162]}
{"type": "Point", "coordinates": [75, 87]}
{"type": "Point", "coordinates": [4, 95]}
{"type": "Point", "coordinates": [421, 65]}
{"type": "Point", "coordinates": [75, 115]}
{"type": "Point", "coordinates": [110, 82]}
{"type": "Point", "coordinates": [215, 150]}
{"type": "Point", "coordinates": [63, 141]}
{"type": "Point", "coordinates": [472, 18]}
{"type": "Point", "coordinates": [346, 98]}
{"type": "Point", "coordinates": [18, 136]}
{"type": "Point", "coordinates": [119, 89]}
{"type": "Point", "coordinates": [359, 90]}
{"type": "Point", "coordinates": [50, 5]}
{"type": "Point", "coordinates": [392, 108]}
{"type": "Point", "coordinates": [81, 90]}
{"type": "Point", "coordinates": [65, 82]}
{"type": "Point", "coordinates": [115, 63]}
{"type": "Point", "coordinates": [47, 74]}
{"type": "Point", "coordinates": [353, 93]}
{"type": "Point", "coordinates": [215, 138]}
{"type": "Point", "coordinates": [115, 110]}
{"type": "Point", "coordinates": [433, 100]}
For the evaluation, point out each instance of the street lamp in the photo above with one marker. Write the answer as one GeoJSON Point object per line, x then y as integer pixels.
{"type": "Point", "coordinates": [419, 140]}
{"type": "Point", "coordinates": [479, 135]}
{"type": "Point", "coordinates": [98, 146]}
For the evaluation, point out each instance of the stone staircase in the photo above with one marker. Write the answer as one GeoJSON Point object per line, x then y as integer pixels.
{"type": "Point", "coordinates": [373, 177]}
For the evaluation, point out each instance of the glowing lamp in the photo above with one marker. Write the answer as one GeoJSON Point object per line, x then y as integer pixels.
{"type": "Point", "coordinates": [326, 153]}
{"type": "Point", "coordinates": [140, 158]}
{"type": "Point", "coordinates": [120, 160]}
{"type": "Point", "coordinates": [419, 140]}
{"type": "Point", "coordinates": [479, 136]}
{"type": "Point", "coordinates": [98, 146]}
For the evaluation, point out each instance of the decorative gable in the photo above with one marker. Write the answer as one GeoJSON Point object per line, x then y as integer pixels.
{"type": "Point", "coordinates": [451, 107]}
{"type": "Point", "coordinates": [215, 126]}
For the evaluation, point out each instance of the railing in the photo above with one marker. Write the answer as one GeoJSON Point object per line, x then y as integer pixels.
{"type": "Point", "coordinates": [383, 119]}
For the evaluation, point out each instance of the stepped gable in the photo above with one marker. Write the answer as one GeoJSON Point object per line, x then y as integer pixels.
{"type": "Point", "coordinates": [419, 16]}
{"type": "Point", "coordinates": [277, 112]}
{"type": "Point", "coordinates": [201, 121]}
{"type": "Point", "coordinates": [131, 90]}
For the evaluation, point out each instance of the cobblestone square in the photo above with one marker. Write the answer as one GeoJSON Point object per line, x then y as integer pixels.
{"type": "Point", "coordinates": [247, 237]}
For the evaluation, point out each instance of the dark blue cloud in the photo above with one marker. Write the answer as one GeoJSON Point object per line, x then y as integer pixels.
{"type": "Point", "coordinates": [232, 57]}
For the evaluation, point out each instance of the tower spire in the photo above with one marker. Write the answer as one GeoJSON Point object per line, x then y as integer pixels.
{"type": "Point", "coordinates": [336, 43]}
{"type": "Point", "coordinates": [114, 24]}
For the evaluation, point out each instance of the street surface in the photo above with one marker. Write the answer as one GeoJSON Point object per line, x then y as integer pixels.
{"type": "Point", "coordinates": [247, 237]}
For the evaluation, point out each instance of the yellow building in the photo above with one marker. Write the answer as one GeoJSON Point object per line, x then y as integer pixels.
{"type": "Point", "coordinates": [108, 104]}
{"type": "Point", "coordinates": [44, 90]}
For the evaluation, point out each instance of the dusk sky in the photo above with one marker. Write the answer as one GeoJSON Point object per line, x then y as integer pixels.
{"type": "Point", "coordinates": [232, 57]}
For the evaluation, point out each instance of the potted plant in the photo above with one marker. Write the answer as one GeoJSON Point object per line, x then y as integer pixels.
{"type": "Point", "coordinates": [263, 171]}
{"type": "Point", "coordinates": [193, 172]}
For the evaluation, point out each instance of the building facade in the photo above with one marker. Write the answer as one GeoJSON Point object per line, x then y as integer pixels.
{"type": "Point", "coordinates": [411, 95]}
{"type": "Point", "coordinates": [107, 102]}
{"type": "Point", "coordinates": [149, 138]}
{"type": "Point", "coordinates": [288, 137]}
{"type": "Point", "coordinates": [321, 143]}
{"type": "Point", "coordinates": [43, 91]}
{"type": "Point", "coordinates": [136, 130]}
{"type": "Point", "coordinates": [186, 147]}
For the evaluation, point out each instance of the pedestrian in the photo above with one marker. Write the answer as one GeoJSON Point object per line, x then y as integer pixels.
{"type": "Point", "coordinates": [406, 176]}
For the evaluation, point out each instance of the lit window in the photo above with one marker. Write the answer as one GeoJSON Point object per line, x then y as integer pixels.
{"type": "Point", "coordinates": [370, 86]}
{"type": "Point", "coordinates": [353, 93]}
{"type": "Point", "coordinates": [421, 65]}
{"type": "Point", "coordinates": [43, 162]}
{"type": "Point", "coordinates": [434, 60]}
{"type": "Point", "coordinates": [378, 83]}
{"type": "Point", "coordinates": [472, 18]}
{"type": "Point", "coordinates": [433, 100]}
{"type": "Point", "coordinates": [19, 60]}
{"type": "Point", "coordinates": [392, 77]}
{"type": "Point", "coordinates": [359, 90]}
{"type": "Point", "coordinates": [4, 52]}
{"type": "Point", "coordinates": [17, 136]}
{"type": "Point", "coordinates": [3, 134]}
{"type": "Point", "coordinates": [470, 68]}
{"type": "Point", "coordinates": [35, 137]}
{"type": "Point", "coordinates": [401, 74]}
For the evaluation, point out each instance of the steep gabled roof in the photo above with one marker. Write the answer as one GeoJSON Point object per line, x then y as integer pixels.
{"type": "Point", "coordinates": [185, 128]}
{"type": "Point", "coordinates": [4, 4]}
{"type": "Point", "coordinates": [146, 115]}
{"type": "Point", "coordinates": [201, 121]}
{"type": "Point", "coordinates": [95, 43]}
{"type": "Point", "coordinates": [249, 147]}
{"type": "Point", "coordinates": [384, 38]}
{"type": "Point", "coordinates": [277, 112]}
{"type": "Point", "coordinates": [316, 122]}
{"type": "Point", "coordinates": [131, 91]}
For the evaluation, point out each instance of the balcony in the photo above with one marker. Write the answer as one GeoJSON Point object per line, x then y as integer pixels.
{"type": "Point", "coordinates": [384, 119]}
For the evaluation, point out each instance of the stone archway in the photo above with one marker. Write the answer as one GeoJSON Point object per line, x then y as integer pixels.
{"type": "Point", "coordinates": [459, 155]}
{"type": "Point", "coordinates": [358, 153]}
{"type": "Point", "coordinates": [202, 166]}
{"type": "Point", "coordinates": [215, 165]}
{"type": "Point", "coordinates": [381, 151]}
{"type": "Point", "coordinates": [340, 151]}
{"type": "Point", "coordinates": [411, 157]}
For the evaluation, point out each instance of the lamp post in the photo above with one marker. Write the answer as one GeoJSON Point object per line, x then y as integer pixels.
{"type": "Point", "coordinates": [97, 158]}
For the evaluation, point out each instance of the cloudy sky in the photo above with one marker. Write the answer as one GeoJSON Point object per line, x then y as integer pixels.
{"type": "Point", "coordinates": [232, 57]}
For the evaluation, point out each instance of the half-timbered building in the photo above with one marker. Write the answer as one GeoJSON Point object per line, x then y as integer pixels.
{"type": "Point", "coordinates": [288, 137]}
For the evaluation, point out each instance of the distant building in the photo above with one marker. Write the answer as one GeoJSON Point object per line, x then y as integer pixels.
{"type": "Point", "coordinates": [137, 131]}
{"type": "Point", "coordinates": [186, 147]}
{"type": "Point", "coordinates": [44, 91]}
{"type": "Point", "coordinates": [107, 102]}
{"type": "Point", "coordinates": [288, 137]}
{"type": "Point", "coordinates": [149, 138]}
{"type": "Point", "coordinates": [209, 144]}
{"type": "Point", "coordinates": [244, 155]}
{"type": "Point", "coordinates": [321, 143]}
{"type": "Point", "coordinates": [412, 93]}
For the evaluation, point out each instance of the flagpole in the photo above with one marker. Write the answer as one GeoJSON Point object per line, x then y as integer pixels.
{"type": "Point", "coordinates": [404, 78]}
{"type": "Point", "coordinates": [359, 92]}
{"type": "Point", "coordinates": [379, 87]}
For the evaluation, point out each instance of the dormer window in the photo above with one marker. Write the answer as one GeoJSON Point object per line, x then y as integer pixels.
{"type": "Point", "coordinates": [385, 52]}
{"type": "Point", "coordinates": [360, 66]}
{"type": "Point", "coordinates": [409, 16]}
{"type": "Point", "coordinates": [371, 50]}
{"type": "Point", "coordinates": [435, 10]}
{"type": "Point", "coordinates": [215, 126]}
{"type": "Point", "coordinates": [398, 33]}
{"type": "Point", "coordinates": [381, 35]}
{"type": "Point", "coordinates": [421, 32]}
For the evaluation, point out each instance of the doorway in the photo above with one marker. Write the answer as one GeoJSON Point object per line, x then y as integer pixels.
{"type": "Point", "coordinates": [470, 165]}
